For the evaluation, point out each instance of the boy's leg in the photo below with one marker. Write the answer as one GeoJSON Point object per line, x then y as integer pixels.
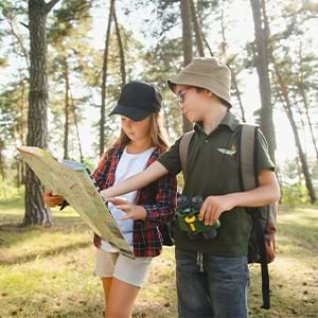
{"type": "Point", "coordinates": [228, 279]}
{"type": "Point", "coordinates": [192, 287]}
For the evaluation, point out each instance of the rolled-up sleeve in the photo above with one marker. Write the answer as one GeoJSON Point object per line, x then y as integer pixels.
{"type": "Point", "coordinates": [263, 160]}
{"type": "Point", "coordinates": [164, 207]}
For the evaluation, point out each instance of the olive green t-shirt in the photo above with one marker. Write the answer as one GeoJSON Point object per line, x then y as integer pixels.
{"type": "Point", "coordinates": [213, 169]}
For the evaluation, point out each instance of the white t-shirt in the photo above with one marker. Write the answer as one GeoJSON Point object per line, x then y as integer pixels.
{"type": "Point", "coordinates": [128, 165]}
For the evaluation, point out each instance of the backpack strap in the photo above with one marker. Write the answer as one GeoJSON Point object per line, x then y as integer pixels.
{"type": "Point", "coordinates": [248, 174]}
{"type": "Point", "coordinates": [247, 156]}
{"type": "Point", "coordinates": [183, 150]}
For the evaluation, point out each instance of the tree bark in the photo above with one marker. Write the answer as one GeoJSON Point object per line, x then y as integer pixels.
{"type": "Point", "coordinates": [104, 79]}
{"type": "Point", "coordinates": [35, 211]}
{"type": "Point", "coordinates": [261, 62]}
{"type": "Point", "coordinates": [187, 45]}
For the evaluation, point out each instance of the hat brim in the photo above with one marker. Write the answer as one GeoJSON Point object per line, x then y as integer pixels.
{"type": "Point", "coordinates": [133, 113]}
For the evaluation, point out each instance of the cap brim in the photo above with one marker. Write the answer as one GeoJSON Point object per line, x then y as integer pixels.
{"type": "Point", "coordinates": [133, 113]}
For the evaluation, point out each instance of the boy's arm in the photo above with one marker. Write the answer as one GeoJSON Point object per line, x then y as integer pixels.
{"type": "Point", "coordinates": [267, 192]}
{"type": "Point", "coordinates": [155, 171]}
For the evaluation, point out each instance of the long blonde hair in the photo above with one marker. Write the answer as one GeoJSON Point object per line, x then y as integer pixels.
{"type": "Point", "coordinates": [157, 132]}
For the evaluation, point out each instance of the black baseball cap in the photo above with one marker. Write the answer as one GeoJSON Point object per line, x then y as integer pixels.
{"type": "Point", "coordinates": [138, 100]}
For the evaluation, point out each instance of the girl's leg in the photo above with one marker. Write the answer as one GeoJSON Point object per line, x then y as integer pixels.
{"type": "Point", "coordinates": [121, 299]}
{"type": "Point", "coordinates": [128, 276]}
{"type": "Point", "coordinates": [106, 281]}
{"type": "Point", "coordinates": [105, 262]}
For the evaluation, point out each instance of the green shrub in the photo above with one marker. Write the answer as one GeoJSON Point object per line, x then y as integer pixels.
{"type": "Point", "coordinates": [8, 190]}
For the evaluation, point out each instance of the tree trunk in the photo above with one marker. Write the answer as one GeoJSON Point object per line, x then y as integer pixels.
{"type": "Point", "coordinates": [187, 45]}
{"type": "Point", "coordinates": [238, 95]}
{"type": "Point", "coordinates": [104, 78]}
{"type": "Point", "coordinates": [261, 62]}
{"type": "Point", "coordinates": [300, 84]}
{"type": "Point", "coordinates": [289, 113]}
{"type": "Point", "coordinates": [21, 133]}
{"type": "Point", "coordinates": [121, 50]}
{"type": "Point", "coordinates": [73, 109]}
{"type": "Point", "coordinates": [197, 29]}
{"type": "Point", "coordinates": [234, 82]}
{"type": "Point", "coordinates": [66, 109]}
{"type": "Point", "coordinates": [2, 173]}
{"type": "Point", "coordinates": [35, 211]}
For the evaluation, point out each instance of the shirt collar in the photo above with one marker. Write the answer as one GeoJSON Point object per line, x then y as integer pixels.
{"type": "Point", "coordinates": [229, 120]}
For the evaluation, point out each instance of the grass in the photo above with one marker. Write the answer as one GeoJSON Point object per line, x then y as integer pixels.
{"type": "Point", "coordinates": [49, 272]}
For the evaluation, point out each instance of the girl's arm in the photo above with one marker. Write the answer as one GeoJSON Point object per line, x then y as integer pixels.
{"type": "Point", "coordinates": [159, 210]}
{"type": "Point", "coordinates": [140, 180]}
{"type": "Point", "coordinates": [163, 208]}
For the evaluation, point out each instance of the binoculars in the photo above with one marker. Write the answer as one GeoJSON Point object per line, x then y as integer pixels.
{"type": "Point", "coordinates": [188, 219]}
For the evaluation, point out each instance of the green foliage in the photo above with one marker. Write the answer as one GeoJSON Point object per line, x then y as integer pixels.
{"type": "Point", "coordinates": [294, 195]}
{"type": "Point", "coordinates": [69, 16]}
{"type": "Point", "coordinates": [9, 191]}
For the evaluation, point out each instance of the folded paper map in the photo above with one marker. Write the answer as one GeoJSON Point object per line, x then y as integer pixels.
{"type": "Point", "coordinates": [71, 180]}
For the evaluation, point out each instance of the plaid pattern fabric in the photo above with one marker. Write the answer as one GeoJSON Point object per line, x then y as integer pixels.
{"type": "Point", "coordinates": [158, 199]}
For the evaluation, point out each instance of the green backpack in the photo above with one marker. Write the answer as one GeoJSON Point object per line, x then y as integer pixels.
{"type": "Point", "coordinates": [261, 247]}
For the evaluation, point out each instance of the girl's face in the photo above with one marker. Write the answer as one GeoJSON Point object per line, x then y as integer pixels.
{"type": "Point", "coordinates": [136, 130]}
{"type": "Point", "coordinates": [194, 104]}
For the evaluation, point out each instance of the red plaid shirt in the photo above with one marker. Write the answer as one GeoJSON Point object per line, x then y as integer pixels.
{"type": "Point", "coordinates": [158, 199]}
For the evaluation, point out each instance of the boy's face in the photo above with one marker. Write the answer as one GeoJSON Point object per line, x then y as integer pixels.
{"type": "Point", "coordinates": [193, 103]}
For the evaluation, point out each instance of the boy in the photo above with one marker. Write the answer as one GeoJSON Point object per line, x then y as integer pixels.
{"type": "Point", "coordinates": [212, 275]}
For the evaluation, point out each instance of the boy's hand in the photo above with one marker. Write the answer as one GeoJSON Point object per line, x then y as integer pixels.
{"type": "Point", "coordinates": [213, 207]}
{"type": "Point", "coordinates": [133, 211]}
{"type": "Point", "coordinates": [52, 200]}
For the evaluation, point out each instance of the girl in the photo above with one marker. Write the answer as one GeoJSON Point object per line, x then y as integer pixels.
{"type": "Point", "coordinates": [139, 214]}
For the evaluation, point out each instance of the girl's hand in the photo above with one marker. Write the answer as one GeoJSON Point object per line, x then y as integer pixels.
{"type": "Point", "coordinates": [133, 211]}
{"type": "Point", "coordinates": [97, 241]}
{"type": "Point", "coordinates": [213, 207]}
{"type": "Point", "coordinates": [52, 200]}
{"type": "Point", "coordinates": [105, 195]}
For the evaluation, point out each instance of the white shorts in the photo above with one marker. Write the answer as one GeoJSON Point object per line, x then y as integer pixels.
{"type": "Point", "coordinates": [131, 271]}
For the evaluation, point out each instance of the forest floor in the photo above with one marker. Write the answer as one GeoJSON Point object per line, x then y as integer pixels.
{"type": "Point", "coordinates": [48, 272]}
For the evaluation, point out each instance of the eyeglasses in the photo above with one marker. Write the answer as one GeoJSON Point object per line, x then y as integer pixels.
{"type": "Point", "coordinates": [181, 95]}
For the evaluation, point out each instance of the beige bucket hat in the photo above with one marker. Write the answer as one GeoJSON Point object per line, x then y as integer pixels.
{"type": "Point", "coordinates": [206, 73]}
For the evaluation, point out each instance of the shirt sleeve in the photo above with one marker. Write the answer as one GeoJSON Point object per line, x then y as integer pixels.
{"type": "Point", "coordinates": [263, 160]}
{"type": "Point", "coordinates": [100, 173]}
{"type": "Point", "coordinates": [164, 207]}
{"type": "Point", "coordinates": [171, 159]}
